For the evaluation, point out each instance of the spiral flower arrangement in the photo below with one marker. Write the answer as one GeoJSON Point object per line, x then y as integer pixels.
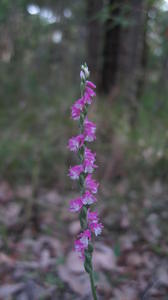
{"type": "Point", "coordinates": [82, 172]}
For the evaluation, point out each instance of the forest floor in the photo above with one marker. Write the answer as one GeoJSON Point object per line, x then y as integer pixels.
{"type": "Point", "coordinates": [37, 260]}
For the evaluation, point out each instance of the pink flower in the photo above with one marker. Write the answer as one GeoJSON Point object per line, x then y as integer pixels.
{"type": "Point", "coordinates": [82, 243]}
{"type": "Point", "coordinates": [85, 236]}
{"type": "Point", "coordinates": [89, 155]}
{"type": "Point", "coordinates": [92, 216]}
{"type": "Point", "coordinates": [89, 130]}
{"type": "Point", "coordinates": [88, 95]}
{"type": "Point", "coordinates": [77, 108]}
{"type": "Point", "coordinates": [74, 172]}
{"type": "Point", "coordinates": [79, 248]}
{"type": "Point", "coordinates": [91, 184]}
{"type": "Point", "coordinates": [88, 166]}
{"type": "Point", "coordinates": [76, 205]}
{"type": "Point", "coordinates": [88, 98]}
{"type": "Point", "coordinates": [88, 198]}
{"type": "Point", "coordinates": [75, 113]}
{"type": "Point", "coordinates": [93, 220]}
{"type": "Point", "coordinates": [89, 159]}
{"type": "Point", "coordinates": [96, 228]}
{"type": "Point", "coordinates": [80, 103]}
{"type": "Point", "coordinates": [76, 142]}
{"type": "Point", "coordinates": [90, 84]}
{"type": "Point", "coordinates": [90, 92]}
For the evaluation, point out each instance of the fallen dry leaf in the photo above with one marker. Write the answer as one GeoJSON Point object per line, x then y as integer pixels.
{"type": "Point", "coordinates": [24, 191]}
{"type": "Point", "coordinates": [74, 228]}
{"type": "Point", "coordinates": [134, 259]}
{"type": "Point", "coordinates": [7, 290]}
{"type": "Point", "coordinates": [74, 263]}
{"type": "Point", "coordinates": [79, 283]}
{"type": "Point", "coordinates": [162, 275]}
{"type": "Point", "coordinates": [5, 259]}
{"type": "Point", "coordinates": [125, 293]}
{"type": "Point", "coordinates": [104, 258]}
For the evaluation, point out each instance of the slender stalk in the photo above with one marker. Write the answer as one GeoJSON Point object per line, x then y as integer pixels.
{"type": "Point", "coordinates": [93, 288]}
{"type": "Point", "coordinates": [83, 214]}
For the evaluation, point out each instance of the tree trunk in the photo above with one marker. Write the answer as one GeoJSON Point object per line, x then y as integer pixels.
{"type": "Point", "coordinates": [132, 43]}
{"type": "Point", "coordinates": [94, 35]}
{"type": "Point", "coordinates": [111, 47]}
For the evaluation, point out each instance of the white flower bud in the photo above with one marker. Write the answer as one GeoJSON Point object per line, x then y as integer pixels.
{"type": "Point", "coordinates": [82, 74]}
{"type": "Point", "coordinates": [85, 70]}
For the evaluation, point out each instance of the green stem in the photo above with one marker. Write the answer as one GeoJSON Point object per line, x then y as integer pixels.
{"type": "Point", "coordinates": [93, 288]}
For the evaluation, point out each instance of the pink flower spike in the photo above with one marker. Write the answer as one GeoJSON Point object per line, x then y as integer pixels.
{"type": "Point", "coordinates": [91, 184]}
{"type": "Point", "coordinates": [88, 198]}
{"type": "Point", "coordinates": [74, 172]}
{"type": "Point", "coordinates": [90, 84]}
{"type": "Point", "coordinates": [76, 205]}
{"type": "Point", "coordinates": [96, 228]}
{"type": "Point", "coordinates": [76, 142]}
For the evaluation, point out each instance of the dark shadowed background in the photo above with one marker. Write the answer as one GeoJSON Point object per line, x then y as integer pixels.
{"type": "Point", "coordinates": [42, 46]}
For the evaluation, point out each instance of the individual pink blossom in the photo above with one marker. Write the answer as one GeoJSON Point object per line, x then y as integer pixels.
{"type": "Point", "coordinates": [85, 236]}
{"type": "Point", "coordinates": [96, 228]}
{"type": "Point", "coordinates": [92, 216]}
{"type": "Point", "coordinates": [82, 243]}
{"type": "Point", "coordinates": [79, 248]}
{"type": "Point", "coordinates": [76, 142]}
{"type": "Point", "coordinates": [75, 112]}
{"type": "Point", "coordinates": [91, 184]}
{"type": "Point", "coordinates": [74, 172]}
{"type": "Point", "coordinates": [89, 130]}
{"type": "Point", "coordinates": [88, 198]}
{"type": "Point", "coordinates": [89, 159]}
{"type": "Point", "coordinates": [93, 221]}
{"type": "Point", "coordinates": [88, 154]}
{"type": "Point", "coordinates": [90, 92]}
{"type": "Point", "coordinates": [88, 166]}
{"type": "Point", "coordinates": [77, 108]}
{"type": "Point", "coordinates": [87, 98]}
{"type": "Point", "coordinates": [76, 205]}
{"type": "Point", "coordinates": [80, 103]}
{"type": "Point", "coordinates": [90, 84]}
{"type": "Point", "coordinates": [88, 95]}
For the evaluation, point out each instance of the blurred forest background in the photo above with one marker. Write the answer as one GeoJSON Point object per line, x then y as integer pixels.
{"type": "Point", "coordinates": [42, 45]}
